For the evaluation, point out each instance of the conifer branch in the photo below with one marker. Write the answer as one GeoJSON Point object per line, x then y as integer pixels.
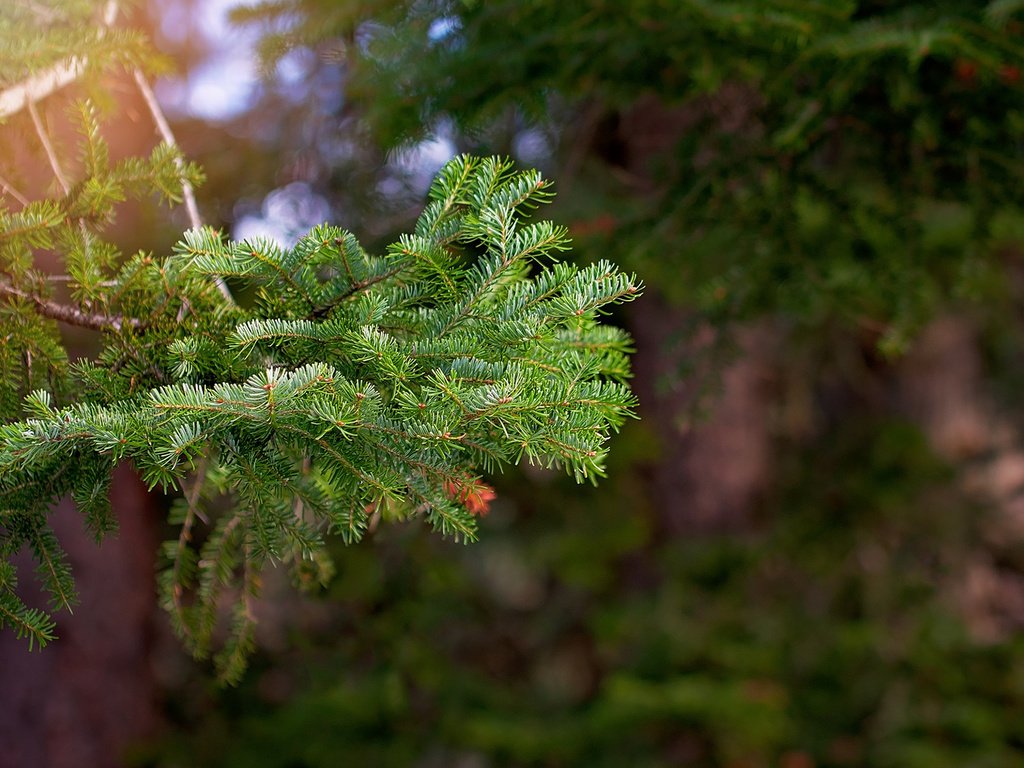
{"type": "Point", "coordinates": [400, 422]}
{"type": "Point", "coordinates": [69, 279]}
{"type": "Point", "coordinates": [57, 575]}
{"type": "Point", "coordinates": [71, 315]}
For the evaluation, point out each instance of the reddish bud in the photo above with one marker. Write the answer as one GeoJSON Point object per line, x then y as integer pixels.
{"type": "Point", "coordinates": [475, 496]}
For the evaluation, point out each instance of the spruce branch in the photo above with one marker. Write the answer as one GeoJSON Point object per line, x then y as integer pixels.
{"type": "Point", "coordinates": [32, 624]}
{"type": "Point", "coordinates": [360, 389]}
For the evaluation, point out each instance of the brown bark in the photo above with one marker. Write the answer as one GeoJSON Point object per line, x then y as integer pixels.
{"type": "Point", "coordinates": [941, 387]}
{"type": "Point", "coordinates": [713, 426]}
{"type": "Point", "coordinates": [90, 695]}
{"type": "Point", "coordinates": [66, 313]}
{"type": "Point", "coordinates": [713, 430]}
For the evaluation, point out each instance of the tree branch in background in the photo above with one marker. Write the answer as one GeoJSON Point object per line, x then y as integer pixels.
{"type": "Point", "coordinates": [187, 191]}
{"type": "Point", "coordinates": [71, 315]}
{"type": "Point", "coordinates": [37, 87]}
{"type": "Point", "coordinates": [9, 189]}
{"type": "Point", "coordinates": [168, 136]}
{"type": "Point", "coordinates": [27, 93]}
{"type": "Point", "coordinates": [48, 148]}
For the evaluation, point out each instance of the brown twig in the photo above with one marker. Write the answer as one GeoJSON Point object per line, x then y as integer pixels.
{"type": "Point", "coordinates": [10, 189]}
{"type": "Point", "coordinates": [51, 155]}
{"type": "Point", "coordinates": [192, 496]}
{"type": "Point", "coordinates": [187, 191]}
{"type": "Point", "coordinates": [71, 315]}
{"type": "Point", "coordinates": [37, 87]}
{"type": "Point", "coordinates": [299, 508]}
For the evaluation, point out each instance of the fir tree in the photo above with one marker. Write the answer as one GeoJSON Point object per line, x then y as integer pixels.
{"type": "Point", "coordinates": [344, 388]}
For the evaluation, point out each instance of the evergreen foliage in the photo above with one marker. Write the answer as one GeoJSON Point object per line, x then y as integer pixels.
{"type": "Point", "coordinates": [340, 389]}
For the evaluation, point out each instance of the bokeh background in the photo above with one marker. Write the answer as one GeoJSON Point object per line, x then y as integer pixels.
{"type": "Point", "coordinates": [809, 549]}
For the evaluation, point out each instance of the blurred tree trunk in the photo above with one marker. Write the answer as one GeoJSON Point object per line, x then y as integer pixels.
{"type": "Point", "coordinates": [713, 431]}
{"type": "Point", "coordinates": [86, 698]}
{"type": "Point", "coordinates": [941, 388]}
{"type": "Point", "coordinates": [712, 423]}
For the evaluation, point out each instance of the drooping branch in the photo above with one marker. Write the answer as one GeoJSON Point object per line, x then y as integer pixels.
{"type": "Point", "coordinates": [192, 496]}
{"type": "Point", "coordinates": [71, 315]}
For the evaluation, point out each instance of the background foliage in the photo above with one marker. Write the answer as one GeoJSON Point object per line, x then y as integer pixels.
{"type": "Point", "coordinates": [819, 639]}
{"type": "Point", "coordinates": [854, 159]}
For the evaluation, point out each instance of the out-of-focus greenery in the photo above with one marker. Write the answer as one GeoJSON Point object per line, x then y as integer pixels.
{"type": "Point", "coordinates": [821, 158]}
{"type": "Point", "coordinates": [824, 637]}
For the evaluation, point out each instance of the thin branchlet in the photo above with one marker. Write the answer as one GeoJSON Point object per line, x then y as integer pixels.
{"type": "Point", "coordinates": [65, 313]}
